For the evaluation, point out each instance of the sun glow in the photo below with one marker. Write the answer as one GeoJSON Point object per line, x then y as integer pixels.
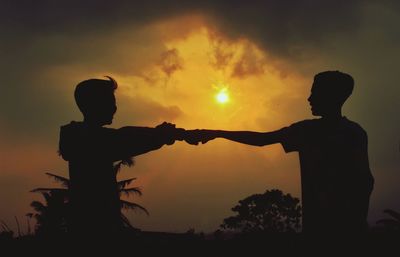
{"type": "Point", "coordinates": [222, 97]}
{"type": "Point", "coordinates": [203, 81]}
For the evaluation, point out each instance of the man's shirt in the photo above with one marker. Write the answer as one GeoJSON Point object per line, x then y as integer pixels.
{"type": "Point", "coordinates": [335, 177]}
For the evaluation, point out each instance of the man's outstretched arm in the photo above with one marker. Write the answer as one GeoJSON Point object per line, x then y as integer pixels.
{"type": "Point", "coordinates": [244, 137]}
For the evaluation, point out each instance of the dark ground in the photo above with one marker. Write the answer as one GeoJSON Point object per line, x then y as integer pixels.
{"type": "Point", "coordinates": [166, 244]}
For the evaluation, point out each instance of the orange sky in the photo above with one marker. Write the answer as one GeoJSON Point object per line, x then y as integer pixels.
{"type": "Point", "coordinates": [202, 183]}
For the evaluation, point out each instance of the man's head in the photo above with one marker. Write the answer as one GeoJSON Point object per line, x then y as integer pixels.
{"type": "Point", "coordinates": [329, 92]}
{"type": "Point", "coordinates": [95, 99]}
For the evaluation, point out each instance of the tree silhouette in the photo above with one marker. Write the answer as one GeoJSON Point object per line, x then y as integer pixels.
{"type": "Point", "coordinates": [271, 211]}
{"type": "Point", "coordinates": [52, 216]}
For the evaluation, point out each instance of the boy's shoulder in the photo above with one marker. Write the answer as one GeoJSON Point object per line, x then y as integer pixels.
{"type": "Point", "coordinates": [76, 137]}
{"type": "Point", "coordinates": [81, 127]}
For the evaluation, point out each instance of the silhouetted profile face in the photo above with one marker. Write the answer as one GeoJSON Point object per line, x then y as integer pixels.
{"type": "Point", "coordinates": [329, 92]}
{"type": "Point", "coordinates": [96, 100]}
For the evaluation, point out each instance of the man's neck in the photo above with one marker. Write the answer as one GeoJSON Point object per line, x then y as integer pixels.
{"type": "Point", "coordinates": [92, 123]}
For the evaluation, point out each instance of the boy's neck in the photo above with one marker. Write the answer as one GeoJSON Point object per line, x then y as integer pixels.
{"type": "Point", "coordinates": [334, 115]}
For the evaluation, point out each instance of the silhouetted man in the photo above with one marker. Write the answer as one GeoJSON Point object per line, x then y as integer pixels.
{"type": "Point", "coordinates": [336, 181]}
{"type": "Point", "coordinates": [91, 150]}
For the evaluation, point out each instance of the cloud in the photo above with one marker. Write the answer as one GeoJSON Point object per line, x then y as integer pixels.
{"type": "Point", "coordinates": [170, 62]}
{"type": "Point", "coordinates": [140, 110]}
{"type": "Point", "coordinates": [250, 63]}
{"type": "Point", "coordinates": [282, 27]}
{"type": "Point", "coordinates": [222, 52]}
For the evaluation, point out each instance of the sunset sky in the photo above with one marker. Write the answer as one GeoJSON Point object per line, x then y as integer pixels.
{"type": "Point", "coordinates": [232, 65]}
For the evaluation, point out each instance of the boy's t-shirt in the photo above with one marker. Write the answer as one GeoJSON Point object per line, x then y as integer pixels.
{"type": "Point", "coordinates": [94, 197]}
{"type": "Point", "coordinates": [91, 152]}
{"type": "Point", "coordinates": [336, 180]}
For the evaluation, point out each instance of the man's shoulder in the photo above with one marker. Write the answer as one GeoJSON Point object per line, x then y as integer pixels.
{"type": "Point", "coordinates": [307, 123]}
{"type": "Point", "coordinates": [355, 128]}
{"type": "Point", "coordinates": [320, 122]}
{"type": "Point", "coordinates": [299, 128]}
{"type": "Point", "coordinates": [294, 136]}
{"type": "Point", "coordinates": [353, 124]}
{"type": "Point", "coordinates": [315, 126]}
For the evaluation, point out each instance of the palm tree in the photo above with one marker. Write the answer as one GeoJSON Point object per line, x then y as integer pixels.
{"type": "Point", "coordinates": [51, 216]}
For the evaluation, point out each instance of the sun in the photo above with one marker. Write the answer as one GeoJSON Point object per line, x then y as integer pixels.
{"type": "Point", "coordinates": [222, 96]}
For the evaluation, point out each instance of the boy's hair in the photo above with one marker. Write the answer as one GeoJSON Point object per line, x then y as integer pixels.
{"type": "Point", "coordinates": [337, 84]}
{"type": "Point", "coordinates": [89, 93]}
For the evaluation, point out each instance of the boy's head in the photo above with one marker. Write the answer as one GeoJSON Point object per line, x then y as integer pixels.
{"type": "Point", "coordinates": [95, 99]}
{"type": "Point", "coordinates": [329, 92]}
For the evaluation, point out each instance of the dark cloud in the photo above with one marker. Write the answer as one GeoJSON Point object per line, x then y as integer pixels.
{"type": "Point", "coordinates": [221, 54]}
{"type": "Point", "coordinates": [276, 24]}
{"type": "Point", "coordinates": [47, 33]}
{"type": "Point", "coordinates": [139, 110]}
{"type": "Point", "coordinates": [30, 107]}
{"type": "Point", "coordinates": [170, 62]}
{"type": "Point", "coordinates": [249, 64]}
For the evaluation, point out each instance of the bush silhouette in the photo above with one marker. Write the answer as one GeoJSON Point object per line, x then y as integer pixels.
{"type": "Point", "coordinates": [271, 211]}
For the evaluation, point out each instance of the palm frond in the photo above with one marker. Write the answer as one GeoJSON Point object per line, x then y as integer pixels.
{"type": "Point", "coordinates": [47, 196]}
{"type": "Point", "coordinates": [126, 222]}
{"type": "Point", "coordinates": [117, 167]}
{"type": "Point", "coordinates": [18, 227]}
{"type": "Point", "coordinates": [393, 213]}
{"type": "Point", "coordinates": [132, 190]}
{"type": "Point", "coordinates": [48, 190]}
{"type": "Point", "coordinates": [123, 183]}
{"type": "Point", "coordinates": [133, 206]}
{"type": "Point", "coordinates": [4, 226]}
{"type": "Point", "coordinates": [64, 181]}
{"type": "Point", "coordinates": [38, 206]}
{"type": "Point", "coordinates": [126, 162]}
{"type": "Point", "coordinates": [389, 223]}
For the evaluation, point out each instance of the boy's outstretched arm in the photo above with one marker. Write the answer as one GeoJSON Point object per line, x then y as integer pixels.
{"type": "Point", "coordinates": [133, 141]}
{"type": "Point", "coordinates": [244, 137]}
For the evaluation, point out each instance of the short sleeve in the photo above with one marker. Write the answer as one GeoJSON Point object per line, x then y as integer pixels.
{"type": "Point", "coordinates": [292, 137]}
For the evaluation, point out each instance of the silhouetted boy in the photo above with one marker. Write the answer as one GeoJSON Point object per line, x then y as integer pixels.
{"type": "Point", "coordinates": [91, 150]}
{"type": "Point", "coordinates": [336, 181]}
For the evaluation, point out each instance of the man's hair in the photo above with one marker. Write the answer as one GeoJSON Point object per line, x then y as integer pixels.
{"type": "Point", "coordinates": [338, 84]}
{"type": "Point", "coordinates": [91, 92]}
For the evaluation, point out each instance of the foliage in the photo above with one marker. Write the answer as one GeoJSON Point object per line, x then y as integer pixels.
{"type": "Point", "coordinates": [51, 215]}
{"type": "Point", "coordinates": [271, 211]}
